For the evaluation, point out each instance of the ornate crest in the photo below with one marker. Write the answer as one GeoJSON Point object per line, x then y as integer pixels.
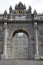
{"type": "Point", "coordinates": [20, 6]}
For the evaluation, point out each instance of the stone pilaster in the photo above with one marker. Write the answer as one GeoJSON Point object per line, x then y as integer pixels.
{"type": "Point", "coordinates": [37, 56]}
{"type": "Point", "coordinates": [4, 56]}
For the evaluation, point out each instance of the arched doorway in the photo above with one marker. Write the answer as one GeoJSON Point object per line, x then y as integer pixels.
{"type": "Point", "coordinates": [20, 43]}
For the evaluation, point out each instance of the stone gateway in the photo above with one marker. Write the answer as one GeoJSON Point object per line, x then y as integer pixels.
{"type": "Point", "coordinates": [21, 33]}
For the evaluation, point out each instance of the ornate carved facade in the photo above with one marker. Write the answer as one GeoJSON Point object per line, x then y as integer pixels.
{"type": "Point", "coordinates": [21, 33]}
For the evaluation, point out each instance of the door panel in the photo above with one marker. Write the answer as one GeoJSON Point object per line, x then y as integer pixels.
{"type": "Point", "coordinates": [20, 46]}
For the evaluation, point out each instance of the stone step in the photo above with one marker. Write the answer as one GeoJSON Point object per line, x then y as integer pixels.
{"type": "Point", "coordinates": [21, 62]}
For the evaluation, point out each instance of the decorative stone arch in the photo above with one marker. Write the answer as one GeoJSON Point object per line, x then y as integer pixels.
{"type": "Point", "coordinates": [20, 30]}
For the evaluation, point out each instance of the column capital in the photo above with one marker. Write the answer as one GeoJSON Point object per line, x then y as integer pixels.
{"type": "Point", "coordinates": [35, 25]}
{"type": "Point", "coordinates": [5, 25]}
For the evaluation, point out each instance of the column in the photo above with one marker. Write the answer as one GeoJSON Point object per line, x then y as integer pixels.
{"type": "Point", "coordinates": [4, 56]}
{"type": "Point", "coordinates": [36, 37]}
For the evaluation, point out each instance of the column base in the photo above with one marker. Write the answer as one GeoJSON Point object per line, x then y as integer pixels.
{"type": "Point", "coordinates": [37, 57]}
{"type": "Point", "coordinates": [3, 56]}
{"type": "Point", "coordinates": [42, 57]}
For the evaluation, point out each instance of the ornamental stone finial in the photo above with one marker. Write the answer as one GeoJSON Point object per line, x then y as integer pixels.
{"type": "Point", "coordinates": [35, 13]}
{"type": "Point", "coordinates": [29, 9]}
{"type": "Point", "coordinates": [10, 9]}
{"type": "Point", "coordinates": [5, 13]}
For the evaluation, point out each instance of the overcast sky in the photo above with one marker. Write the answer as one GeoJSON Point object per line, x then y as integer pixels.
{"type": "Point", "coordinates": [35, 4]}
